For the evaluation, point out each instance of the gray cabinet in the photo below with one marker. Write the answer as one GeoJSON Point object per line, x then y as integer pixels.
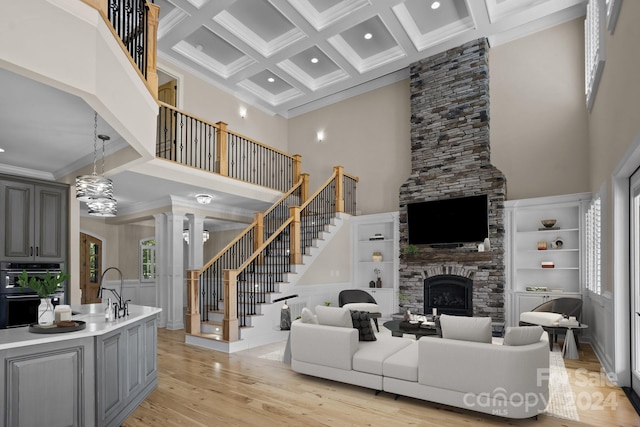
{"type": "Point", "coordinates": [33, 219]}
{"type": "Point", "coordinates": [49, 384]}
{"type": "Point", "coordinates": [127, 370]}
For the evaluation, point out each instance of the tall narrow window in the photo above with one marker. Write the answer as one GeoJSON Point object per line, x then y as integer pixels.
{"type": "Point", "coordinates": [594, 247]}
{"type": "Point", "coordinates": [594, 29]}
{"type": "Point", "coordinates": [147, 260]}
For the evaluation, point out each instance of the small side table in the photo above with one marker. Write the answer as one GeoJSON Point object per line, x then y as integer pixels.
{"type": "Point", "coordinates": [569, 349]}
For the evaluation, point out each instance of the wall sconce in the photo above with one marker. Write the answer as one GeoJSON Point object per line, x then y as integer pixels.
{"type": "Point", "coordinates": [320, 136]}
{"type": "Point", "coordinates": [205, 236]}
{"type": "Point", "coordinates": [243, 112]}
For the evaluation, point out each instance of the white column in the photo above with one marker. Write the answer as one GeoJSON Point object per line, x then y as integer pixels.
{"type": "Point", "coordinates": [175, 271]}
{"type": "Point", "coordinates": [196, 246]}
{"type": "Point", "coordinates": [161, 270]}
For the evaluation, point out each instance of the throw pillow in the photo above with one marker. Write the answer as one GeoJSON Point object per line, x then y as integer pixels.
{"type": "Point", "coordinates": [477, 329]}
{"type": "Point", "coordinates": [307, 316]}
{"type": "Point", "coordinates": [362, 323]}
{"type": "Point", "coordinates": [522, 335]}
{"type": "Point", "coordinates": [334, 316]}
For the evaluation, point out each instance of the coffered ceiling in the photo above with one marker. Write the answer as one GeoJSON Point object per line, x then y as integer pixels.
{"type": "Point", "coordinates": [289, 57]}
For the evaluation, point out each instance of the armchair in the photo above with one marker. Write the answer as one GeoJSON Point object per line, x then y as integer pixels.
{"type": "Point", "coordinates": [357, 299]}
{"type": "Point", "coordinates": [549, 313]}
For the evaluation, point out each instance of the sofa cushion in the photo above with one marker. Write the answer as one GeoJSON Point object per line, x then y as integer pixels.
{"type": "Point", "coordinates": [403, 365]}
{"type": "Point", "coordinates": [541, 318]}
{"type": "Point", "coordinates": [477, 329]}
{"type": "Point", "coordinates": [334, 316]}
{"type": "Point", "coordinates": [370, 355]}
{"type": "Point", "coordinates": [522, 335]}
{"type": "Point", "coordinates": [307, 316]}
{"type": "Point", "coordinates": [362, 323]}
{"type": "Point", "coordinates": [363, 306]}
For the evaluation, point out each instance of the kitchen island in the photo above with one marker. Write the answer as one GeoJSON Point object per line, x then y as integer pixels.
{"type": "Point", "coordinates": [92, 377]}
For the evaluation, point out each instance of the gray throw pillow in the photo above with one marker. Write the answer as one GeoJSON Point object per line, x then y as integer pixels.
{"type": "Point", "coordinates": [522, 335]}
{"type": "Point", "coordinates": [362, 322]}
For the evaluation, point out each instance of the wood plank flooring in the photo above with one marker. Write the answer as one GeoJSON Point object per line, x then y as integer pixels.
{"type": "Point", "coordinates": [198, 387]}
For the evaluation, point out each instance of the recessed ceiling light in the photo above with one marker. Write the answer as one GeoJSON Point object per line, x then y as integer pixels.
{"type": "Point", "coordinates": [435, 5]}
{"type": "Point", "coordinates": [368, 36]}
{"type": "Point", "coordinates": [271, 80]}
{"type": "Point", "coordinates": [199, 47]}
{"type": "Point", "coordinates": [204, 199]}
{"type": "Point", "coordinates": [314, 60]}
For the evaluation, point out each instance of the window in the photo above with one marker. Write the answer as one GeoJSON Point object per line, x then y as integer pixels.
{"type": "Point", "coordinates": [593, 247]}
{"type": "Point", "coordinates": [147, 260]}
{"type": "Point", "coordinates": [594, 29]}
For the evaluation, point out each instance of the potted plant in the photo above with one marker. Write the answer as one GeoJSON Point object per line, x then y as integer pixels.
{"type": "Point", "coordinates": [44, 286]}
{"type": "Point", "coordinates": [410, 250]}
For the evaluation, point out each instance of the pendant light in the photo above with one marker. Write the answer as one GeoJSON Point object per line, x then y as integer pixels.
{"type": "Point", "coordinates": [93, 186]}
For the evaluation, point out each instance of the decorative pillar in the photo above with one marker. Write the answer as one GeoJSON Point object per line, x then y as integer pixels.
{"type": "Point", "coordinates": [175, 271]}
{"type": "Point", "coordinates": [196, 244]}
{"type": "Point", "coordinates": [161, 271]}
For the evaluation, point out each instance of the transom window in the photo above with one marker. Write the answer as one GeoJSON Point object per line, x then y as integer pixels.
{"type": "Point", "coordinates": [594, 247]}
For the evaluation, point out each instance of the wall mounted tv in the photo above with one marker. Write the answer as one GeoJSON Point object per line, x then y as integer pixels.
{"type": "Point", "coordinates": [448, 221]}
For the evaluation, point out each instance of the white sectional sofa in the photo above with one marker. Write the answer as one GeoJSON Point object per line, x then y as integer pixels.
{"type": "Point", "coordinates": [505, 380]}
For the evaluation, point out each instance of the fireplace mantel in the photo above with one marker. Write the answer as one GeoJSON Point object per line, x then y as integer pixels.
{"type": "Point", "coordinates": [446, 256]}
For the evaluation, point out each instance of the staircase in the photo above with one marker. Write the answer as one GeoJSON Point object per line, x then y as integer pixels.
{"type": "Point", "coordinates": [230, 299]}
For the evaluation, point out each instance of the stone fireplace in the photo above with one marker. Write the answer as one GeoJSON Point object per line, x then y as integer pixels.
{"type": "Point", "coordinates": [448, 294]}
{"type": "Point", "coordinates": [450, 154]}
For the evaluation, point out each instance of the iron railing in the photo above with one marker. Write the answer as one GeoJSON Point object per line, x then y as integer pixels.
{"type": "Point", "coordinates": [350, 185]}
{"type": "Point", "coordinates": [186, 139]}
{"type": "Point", "coordinates": [258, 276]}
{"type": "Point", "coordinates": [316, 213]}
{"type": "Point", "coordinates": [253, 162]}
{"type": "Point", "coordinates": [277, 214]}
{"type": "Point", "coordinates": [129, 19]}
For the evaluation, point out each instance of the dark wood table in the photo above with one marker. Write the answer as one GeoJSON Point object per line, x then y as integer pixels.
{"type": "Point", "coordinates": [397, 331]}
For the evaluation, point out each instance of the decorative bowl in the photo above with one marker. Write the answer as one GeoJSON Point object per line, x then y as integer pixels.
{"type": "Point", "coordinates": [548, 223]}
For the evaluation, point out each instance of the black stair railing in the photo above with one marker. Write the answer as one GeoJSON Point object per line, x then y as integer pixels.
{"type": "Point", "coordinates": [129, 19]}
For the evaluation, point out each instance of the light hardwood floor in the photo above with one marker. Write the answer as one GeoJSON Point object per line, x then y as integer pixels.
{"type": "Point", "coordinates": [198, 387]}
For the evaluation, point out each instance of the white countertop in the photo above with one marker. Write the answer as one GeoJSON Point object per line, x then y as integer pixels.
{"type": "Point", "coordinates": [92, 314]}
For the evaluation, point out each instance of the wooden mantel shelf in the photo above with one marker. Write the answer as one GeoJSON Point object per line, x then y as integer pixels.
{"type": "Point", "coordinates": [446, 256]}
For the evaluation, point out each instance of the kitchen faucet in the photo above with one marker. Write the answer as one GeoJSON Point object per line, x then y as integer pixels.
{"type": "Point", "coordinates": [120, 308]}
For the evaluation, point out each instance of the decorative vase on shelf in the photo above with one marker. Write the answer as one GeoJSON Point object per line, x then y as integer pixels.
{"type": "Point", "coordinates": [45, 312]}
{"type": "Point", "coordinates": [377, 257]}
{"type": "Point", "coordinates": [379, 283]}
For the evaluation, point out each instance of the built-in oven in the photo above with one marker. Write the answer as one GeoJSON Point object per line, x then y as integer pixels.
{"type": "Point", "coordinates": [19, 306]}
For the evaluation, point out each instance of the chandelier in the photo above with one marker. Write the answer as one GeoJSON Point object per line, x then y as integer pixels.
{"type": "Point", "coordinates": [97, 190]}
{"type": "Point", "coordinates": [205, 236]}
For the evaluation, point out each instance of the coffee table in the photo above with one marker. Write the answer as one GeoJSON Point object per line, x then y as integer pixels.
{"type": "Point", "coordinates": [397, 331]}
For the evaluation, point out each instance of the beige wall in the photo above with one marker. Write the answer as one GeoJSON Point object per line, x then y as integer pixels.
{"type": "Point", "coordinates": [538, 115]}
{"type": "Point", "coordinates": [614, 119]}
{"type": "Point", "coordinates": [210, 103]}
{"type": "Point", "coordinates": [331, 265]}
{"type": "Point", "coordinates": [217, 241]}
{"type": "Point", "coordinates": [368, 135]}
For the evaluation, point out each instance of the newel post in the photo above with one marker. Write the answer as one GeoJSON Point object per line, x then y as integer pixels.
{"type": "Point", "coordinates": [295, 256]}
{"type": "Point", "coordinates": [221, 149]}
{"type": "Point", "coordinates": [193, 302]}
{"type": "Point", "coordinates": [339, 173]}
{"type": "Point", "coordinates": [297, 167]}
{"type": "Point", "coordinates": [230, 326]}
{"type": "Point", "coordinates": [151, 42]}
{"type": "Point", "coordinates": [304, 188]}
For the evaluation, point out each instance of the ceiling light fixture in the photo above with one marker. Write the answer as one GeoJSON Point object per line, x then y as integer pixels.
{"type": "Point", "coordinates": [271, 80]}
{"type": "Point", "coordinates": [435, 5]}
{"type": "Point", "coordinates": [204, 199]}
{"type": "Point", "coordinates": [314, 60]}
{"type": "Point", "coordinates": [103, 207]}
{"type": "Point", "coordinates": [205, 236]}
{"type": "Point", "coordinates": [368, 36]}
{"type": "Point", "coordinates": [92, 187]}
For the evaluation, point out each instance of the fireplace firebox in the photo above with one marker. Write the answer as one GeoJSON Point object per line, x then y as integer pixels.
{"type": "Point", "coordinates": [449, 294]}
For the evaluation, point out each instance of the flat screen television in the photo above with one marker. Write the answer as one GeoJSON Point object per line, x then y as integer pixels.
{"type": "Point", "coordinates": [447, 221]}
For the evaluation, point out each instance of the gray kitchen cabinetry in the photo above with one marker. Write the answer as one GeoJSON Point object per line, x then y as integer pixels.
{"type": "Point", "coordinates": [127, 370]}
{"type": "Point", "coordinates": [49, 384]}
{"type": "Point", "coordinates": [33, 220]}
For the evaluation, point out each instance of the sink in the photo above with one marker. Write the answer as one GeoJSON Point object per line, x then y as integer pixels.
{"type": "Point", "coordinates": [88, 309]}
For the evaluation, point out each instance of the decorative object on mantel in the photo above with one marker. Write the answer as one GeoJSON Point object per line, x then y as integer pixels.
{"type": "Point", "coordinates": [549, 224]}
{"type": "Point", "coordinates": [410, 250]}
{"type": "Point", "coordinates": [372, 284]}
{"type": "Point", "coordinates": [378, 280]}
{"type": "Point", "coordinates": [44, 287]}
{"type": "Point", "coordinates": [376, 256]}
{"type": "Point", "coordinates": [377, 236]}
{"type": "Point", "coordinates": [487, 244]}
{"type": "Point", "coordinates": [547, 264]}
{"type": "Point", "coordinates": [542, 245]}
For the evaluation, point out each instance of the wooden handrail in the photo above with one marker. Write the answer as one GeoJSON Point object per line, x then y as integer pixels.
{"type": "Point", "coordinates": [284, 197]}
{"type": "Point", "coordinates": [226, 248]}
{"type": "Point", "coordinates": [327, 182]}
{"type": "Point", "coordinates": [171, 107]}
{"type": "Point", "coordinates": [353, 177]}
{"type": "Point", "coordinates": [291, 156]}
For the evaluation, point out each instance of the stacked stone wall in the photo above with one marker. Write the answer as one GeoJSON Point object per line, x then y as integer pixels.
{"type": "Point", "coordinates": [451, 158]}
